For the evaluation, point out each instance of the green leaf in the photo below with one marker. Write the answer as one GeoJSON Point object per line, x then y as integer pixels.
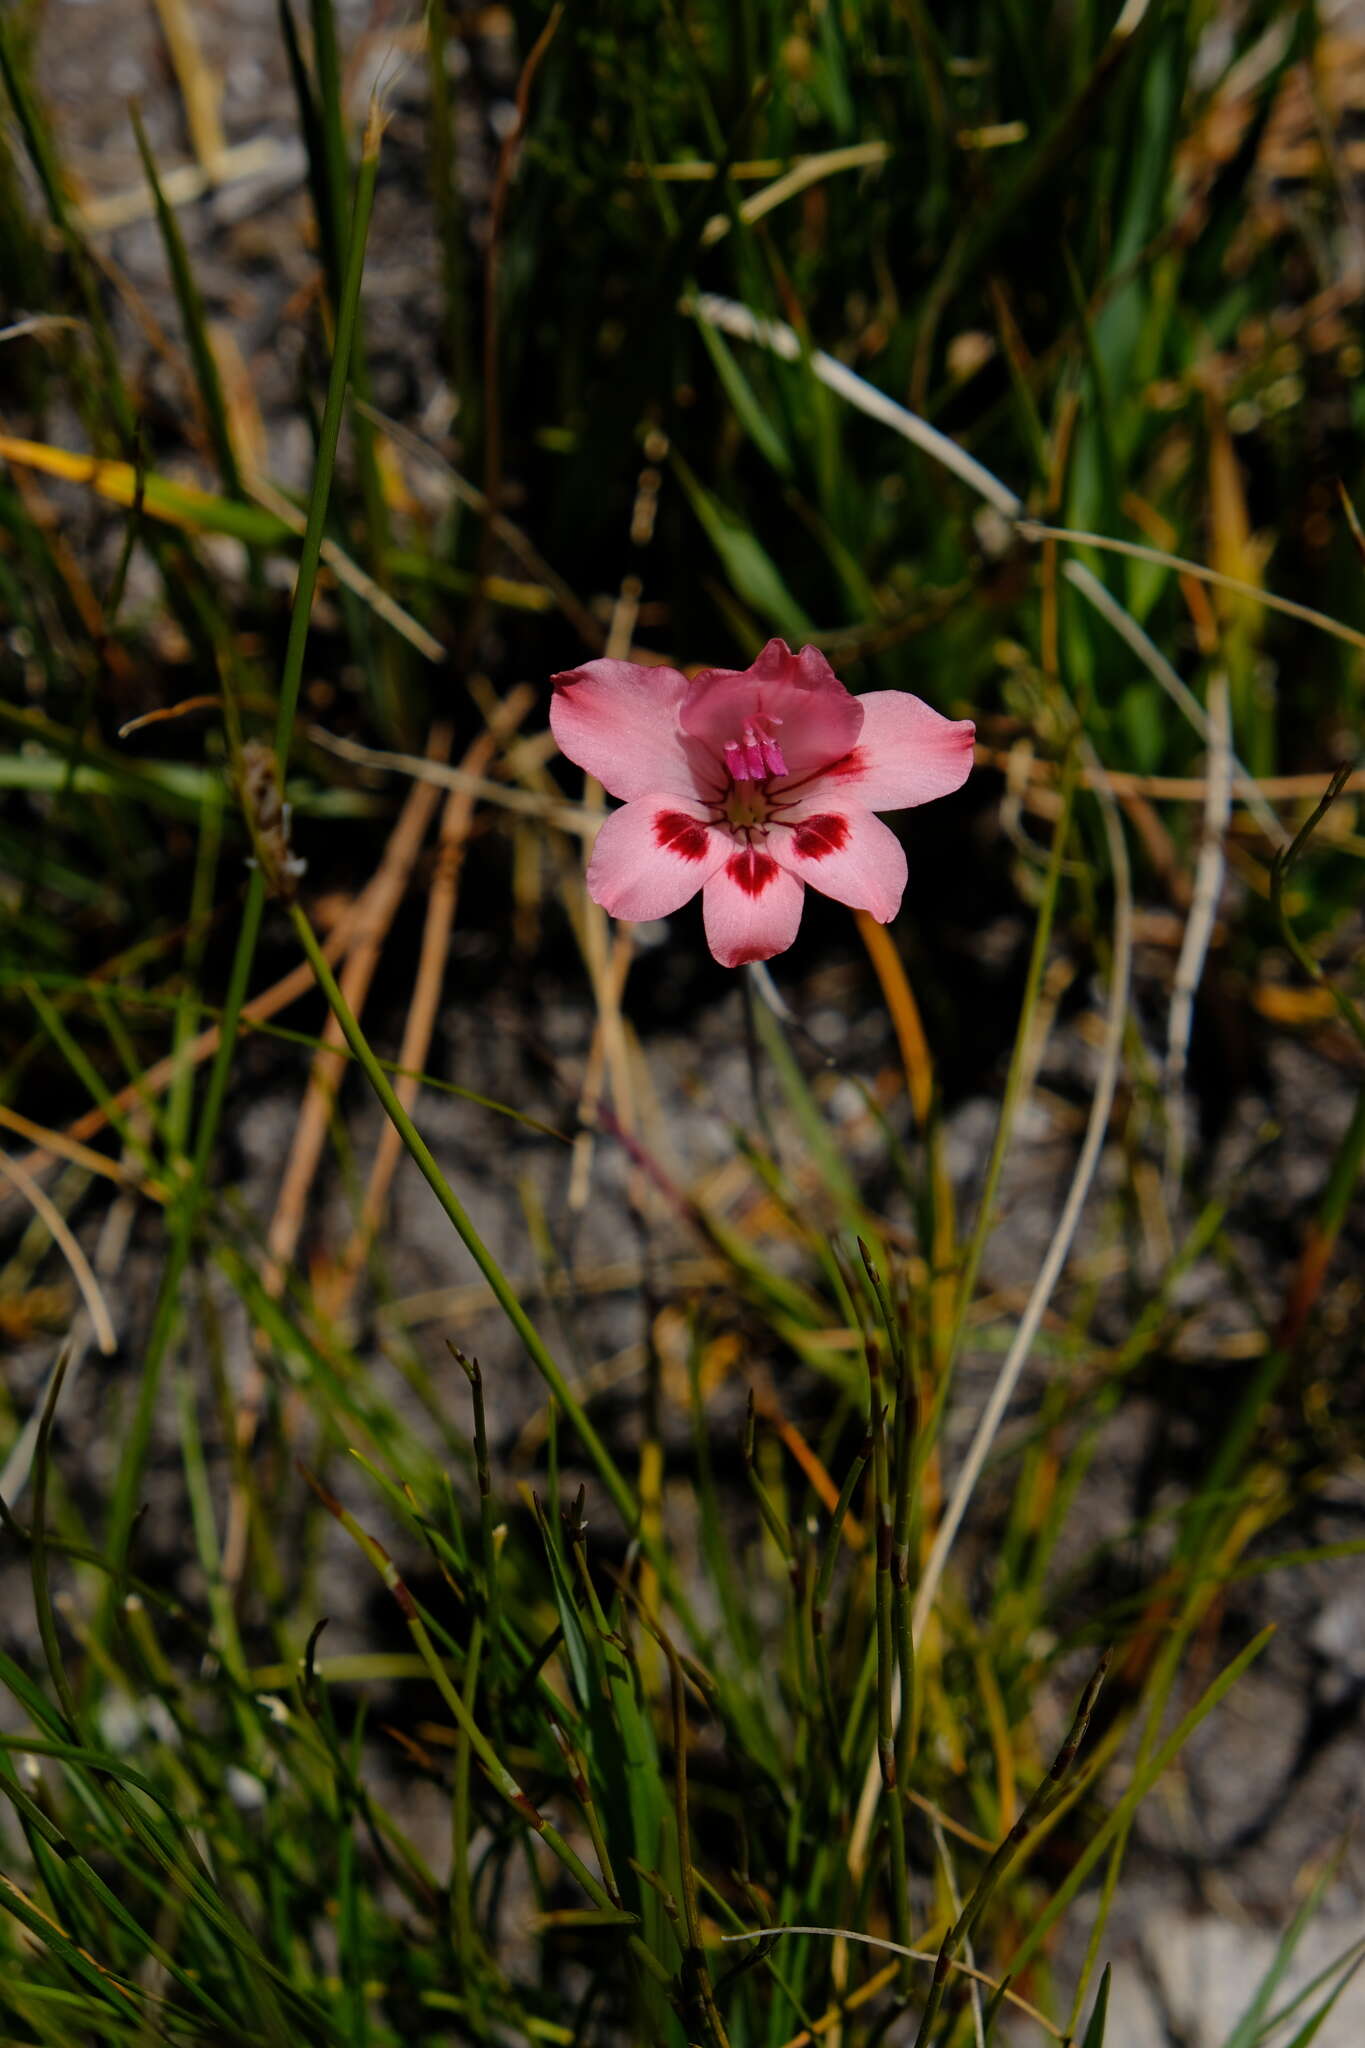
{"type": "Point", "coordinates": [1094, 2033]}
{"type": "Point", "coordinates": [751, 570]}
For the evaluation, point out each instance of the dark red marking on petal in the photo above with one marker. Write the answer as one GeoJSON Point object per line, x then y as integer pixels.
{"type": "Point", "coordinates": [813, 838]}
{"type": "Point", "coordinates": [849, 767]}
{"type": "Point", "coordinates": [752, 870]}
{"type": "Point", "coordinates": [680, 834]}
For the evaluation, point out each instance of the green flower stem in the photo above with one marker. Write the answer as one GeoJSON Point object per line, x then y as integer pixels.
{"type": "Point", "coordinates": [607, 1471]}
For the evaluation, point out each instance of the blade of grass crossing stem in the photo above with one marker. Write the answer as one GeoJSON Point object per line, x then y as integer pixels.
{"type": "Point", "coordinates": [1137, 1791]}
{"type": "Point", "coordinates": [185, 1218]}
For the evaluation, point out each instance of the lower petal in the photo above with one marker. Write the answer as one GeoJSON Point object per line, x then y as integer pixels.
{"type": "Point", "coordinates": [752, 908]}
{"type": "Point", "coordinates": [847, 854]}
{"type": "Point", "coordinates": [652, 856]}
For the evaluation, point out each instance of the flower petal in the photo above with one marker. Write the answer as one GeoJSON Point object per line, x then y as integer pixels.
{"type": "Point", "coordinates": [752, 908]}
{"type": "Point", "coordinates": [619, 721]}
{"type": "Point", "coordinates": [653, 855]}
{"type": "Point", "coordinates": [847, 854]}
{"type": "Point", "coordinates": [907, 753]}
{"type": "Point", "coordinates": [796, 699]}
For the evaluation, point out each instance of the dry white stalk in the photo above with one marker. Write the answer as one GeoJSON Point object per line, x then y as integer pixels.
{"type": "Point", "coordinates": [1115, 1017]}
{"type": "Point", "coordinates": [1208, 886]}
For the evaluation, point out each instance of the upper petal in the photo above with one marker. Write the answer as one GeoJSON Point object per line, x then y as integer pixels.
{"type": "Point", "coordinates": [653, 855]}
{"type": "Point", "coordinates": [619, 721]}
{"type": "Point", "coordinates": [813, 718]}
{"type": "Point", "coordinates": [847, 854]}
{"type": "Point", "coordinates": [752, 908]}
{"type": "Point", "coordinates": [907, 753]}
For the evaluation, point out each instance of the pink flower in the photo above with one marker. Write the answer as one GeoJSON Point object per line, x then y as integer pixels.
{"type": "Point", "coordinates": [747, 784]}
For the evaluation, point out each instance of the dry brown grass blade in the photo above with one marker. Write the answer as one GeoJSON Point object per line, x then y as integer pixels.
{"type": "Point", "coordinates": [456, 820]}
{"type": "Point", "coordinates": [54, 1143]}
{"type": "Point", "coordinates": [330, 1062]}
{"type": "Point", "coordinates": [200, 86]}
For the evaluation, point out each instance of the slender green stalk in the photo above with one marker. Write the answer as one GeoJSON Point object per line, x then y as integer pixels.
{"type": "Point", "coordinates": [504, 1292]}
{"type": "Point", "coordinates": [463, 1937]}
{"type": "Point", "coordinates": [207, 380]}
{"type": "Point", "coordinates": [488, 1512]}
{"type": "Point", "coordinates": [893, 1802]}
{"type": "Point", "coordinates": [698, 1970]}
{"type": "Point", "coordinates": [774, 1521]}
{"type": "Point", "coordinates": [1140, 1784]}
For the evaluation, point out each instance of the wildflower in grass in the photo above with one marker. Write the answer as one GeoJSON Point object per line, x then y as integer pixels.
{"type": "Point", "coordinates": [748, 784]}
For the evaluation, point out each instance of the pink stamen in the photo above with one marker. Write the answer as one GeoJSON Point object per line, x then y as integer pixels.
{"type": "Point", "coordinates": [755, 754]}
